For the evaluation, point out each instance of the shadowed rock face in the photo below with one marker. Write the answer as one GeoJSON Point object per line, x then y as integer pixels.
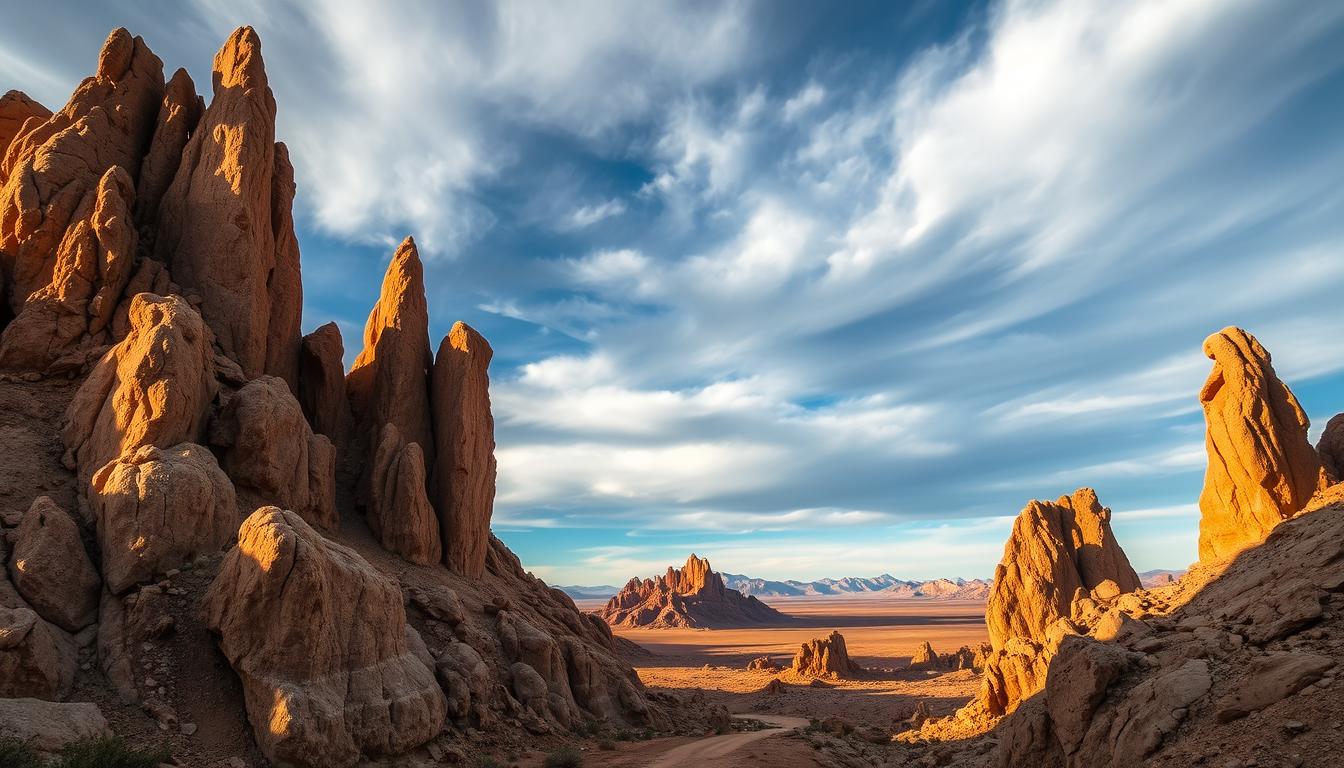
{"type": "Point", "coordinates": [322, 383]}
{"type": "Point", "coordinates": [690, 596]}
{"type": "Point", "coordinates": [1261, 468]}
{"type": "Point", "coordinates": [16, 109]}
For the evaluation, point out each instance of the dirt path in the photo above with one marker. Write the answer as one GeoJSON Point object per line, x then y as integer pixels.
{"type": "Point", "coordinates": [717, 746]}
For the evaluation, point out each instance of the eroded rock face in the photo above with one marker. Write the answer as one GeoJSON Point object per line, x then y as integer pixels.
{"type": "Point", "coordinates": [152, 388]}
{"type": "Point", "coordinates": [352, 686]}
{"type": "Point", "coordinates": [1055, 550]}
{"type": "Point", "coordinates": [269, 450]}
{"type": "Point", "coordinates": [1331, 447]}
{"type": "Point", "coordinates": [50, 568]}
{"type": "Point", "coordinates": [179, 114]}
{"type": "Point", "coordinates": [37, 659]}
{"type": "Point", "coordinates": [322, 383]}
{"type": "Point", "coordinates": [1261, 468]}
{"type": "Point", "coordinates": [399, 512]}
{"type": "Point", "coordinates": [88, 271]}
{"type": "Point", "coordinates": [389, 382]}
{"type": "Point", "coordinates": [55, 165]}
{"type": "Point", "coordinates": [224, 225]}
{"type": "Point", "coordinates": [159, 508]}
{"type": "Point", "coordinates": [691, 596]}
{"type": "Point", "coordinates": [825, 657]}
{"type": "Point", "coordinates": [47, 726]}
{"type": "Point", "coordinates": [16, 109]}
{"type": "Point", "coordinates": [464, 433]}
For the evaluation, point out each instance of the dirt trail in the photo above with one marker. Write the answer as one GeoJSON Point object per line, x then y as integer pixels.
{"type": "Point", "coordinates": [717, 746]}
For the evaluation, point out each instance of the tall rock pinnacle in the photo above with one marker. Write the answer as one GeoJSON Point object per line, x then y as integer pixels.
{"type": "Point", "coordinates": [464, 432]}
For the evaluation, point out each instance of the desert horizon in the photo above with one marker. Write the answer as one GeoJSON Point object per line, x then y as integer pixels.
{"type": "Point", "coordinates": [594, 384]}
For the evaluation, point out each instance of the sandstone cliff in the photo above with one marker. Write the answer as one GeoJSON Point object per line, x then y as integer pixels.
{"type": "Point", "coordinates": [691, 596]}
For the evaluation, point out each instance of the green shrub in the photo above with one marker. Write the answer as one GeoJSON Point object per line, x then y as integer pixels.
{"type": "Point", "coordinates": [16, 754]}
{"type": "Point", "coordinates": [108, 752]}
{"type": "Point", "coordinates": [563, 758]}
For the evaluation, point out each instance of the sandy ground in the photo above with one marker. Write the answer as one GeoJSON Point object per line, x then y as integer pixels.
{"type": "Point", "coordinates": [881, 634]}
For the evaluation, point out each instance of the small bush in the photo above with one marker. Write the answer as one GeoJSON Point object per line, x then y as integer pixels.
{"type": "Point", "coordinates": [109, 752]}
{"type": "Point", "coordinates": [606, 745]}
{"type": "Point", "coordinates": [16, 754]}
{"type": "Point", "coordinates": [563, 758]}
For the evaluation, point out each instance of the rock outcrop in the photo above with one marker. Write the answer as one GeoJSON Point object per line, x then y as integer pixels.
{"type": "Point", "coordinates": [399, 512]}
{"type": "Point", "coordinates": [16, 109]}
{"type": "Point", "coordinates": [351, 686]}
{"type": "Point", "coordinates": [690, 596]}
{"type": "Point", "coordinates": [322, 383]}
{"type": "Point", "coordinates": [464, 441]}
{"type": "Point", "coordinates": [825, 657]}
{"type": "Point", "coordinates": [224, 224]}
{"type": "Point", "coordinates": [157, 509]}
{"type": "Point", "coordinates": [1261, 468]}
{"type": "Point", "coordinates": [152, 388]}
{"type": "Point", "coordinates": [37, 658]}
{"type": "Point", "coordinates": [1331, 447]}
{"type": "Point", "coordinates": [271, 453]}
{"type": "Point", "coordinates": [54, 167]}
{"type": "Point", "coordinates": [47, 726]}
{"type": "Point", "coordinates": [179, 114]}
{"type": "Point", "coordinates": [389, 382]}
{"type": "Point", "coordinates": [50, 568]}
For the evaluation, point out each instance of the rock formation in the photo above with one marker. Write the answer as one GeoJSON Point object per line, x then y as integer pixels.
{"type": "Point", "coordinates": [224, 224]}
{"type": "Point", "coordinates": [1261, 468]}
{"type": "Point", "coordinates": [271, 453]}
{"type": "Point", "coordinates": [464, 441]}
{"type": "Point", "coordinates": [399, 512]}
{"type": "Point", "coordinates": [825, 657]}
{"type": "Point", "coordinates": [179, 114]}
{"type": "Point", "coordinates": [160, 508]}
{"type": "Point", "coordinates": [1331, 447]}
{"type": "Point", "coordinates": [51, 570]}
{"type": "Point", "coordinates": [16, 109]}
{"type": "Point", "coordinates": [322, 383]}
{"type": "Point", "coordinates": [389, 382]}
{"type": "Point", "coordinates": [690, 596]}
{"type": "Point", "coordinates": [37, 658]}
{"type": "Point", "coordinates": [352, 685]}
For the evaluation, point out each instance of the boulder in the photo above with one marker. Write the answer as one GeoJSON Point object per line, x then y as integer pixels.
{"type": "Point", "coordinates": [351, 685]}
{"type": "Point", "coordinates": [1261, 468]}
{"type": "Point", "coordinates": [50, 568]}
{"type": "Point", "coordinates": [825, 657]}
{"type": "Point", "coordinates": [37, 659]}
{"type": "Point", "coordinates": [224, 224]}
{"type": "Point", "coordinates": [269, 451]}
{"type": "Point", "coordinates": [1078, 678]}
{"type": "Point", "coordinates": [63, 318]}
{"type": "Point", "coordinates": [763, 664]}
{"type": "Point", "coordinates": [1269, 679]}
{"type": "Point", "coordinates": [159, 508]}
{"type": "Point", "coordinates": [47, 726]}
{"type": "Point", "coordinates": [464, 435]}
{"type": "Point", "coordinates": [924, 657]}
{"type": "Point", "coordinates": [1145, 716]}
{"type": "Point", "coordinates": [152, 388]}
{"type": "Point", "coordinates": [1331, 447]}
{"type": "Point", "coordinates": [55, 165]}
{"type": "Point", "coordinates": [322, 383]}
{"type": "Point", "coordinates": [389, 382]}
{"type": "Point", "coordinates": [539, 651]}
{"type": "Point", "coordinates": [399, 513]}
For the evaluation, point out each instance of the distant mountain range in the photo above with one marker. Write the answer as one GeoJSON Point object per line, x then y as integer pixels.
{"type": "Point", "coordinates": [886, 584]}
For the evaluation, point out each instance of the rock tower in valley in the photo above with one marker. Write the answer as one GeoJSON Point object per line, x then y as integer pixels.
{"type": "Point", "coordinates": [691, 596]}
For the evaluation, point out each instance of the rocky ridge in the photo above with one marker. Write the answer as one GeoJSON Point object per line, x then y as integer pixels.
{"type": "Point", "coordinates": [691, 596]}
{"type": "Point", "coordinates": [184, 560]}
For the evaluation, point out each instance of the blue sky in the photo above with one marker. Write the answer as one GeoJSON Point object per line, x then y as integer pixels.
{"type": "Point", "coordinates": [811, 290]}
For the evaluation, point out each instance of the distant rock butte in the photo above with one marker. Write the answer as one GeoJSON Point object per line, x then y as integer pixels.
{"type": "Point", "coordinates": [1261, 468]}
{"type": "Point", "coordinates": [825, 657]}
{"type": "Point", "coordinates": [690, 596]}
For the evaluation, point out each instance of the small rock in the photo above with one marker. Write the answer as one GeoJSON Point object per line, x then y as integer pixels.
{"type": "Point", "coordinates": [1295, 727]}
{"type": "Point", "coordinates": [188, 729]}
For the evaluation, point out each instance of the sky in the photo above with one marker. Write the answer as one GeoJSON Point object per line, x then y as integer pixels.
{"type": "Point", "coordinates": [810, 289]}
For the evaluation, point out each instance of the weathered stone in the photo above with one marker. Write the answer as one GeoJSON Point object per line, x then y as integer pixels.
{"type": "Point", "coordinates": [152, 388]}
{"type": "Point", "coordinates": [1261, 468]}
{"type": "Point", "coordinates": [224, 225]}
{"type": "Point", "coordinates": [399, 513]}
{"type": "Point", "coordinates": [1331, 447]}
{"type": "Point", "coordinates": [269, 450]}
{"type": "Point", "coordinates": [825, 657]}
{"type": "Point", "coordinates": [47, 726]}
{"type": "Point", "coordinates": [464, 434]}
{"type": "Point", "coordinates": [322, 383]}
{"type": "Point", "coordinates": [16, 109]}
{"type": "Point", "coordinates": [1269, 679]}
{"type": "Point", "coordinates": [691, 596]}
{"type": "Point", "coordinates": [179, 113]}
{"type": "Point", "coordinates": [160, 508]}
{"type": "Point", "coordinates": [51, 570]}
{"type": "Point", "coordinates": [351, 686]}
